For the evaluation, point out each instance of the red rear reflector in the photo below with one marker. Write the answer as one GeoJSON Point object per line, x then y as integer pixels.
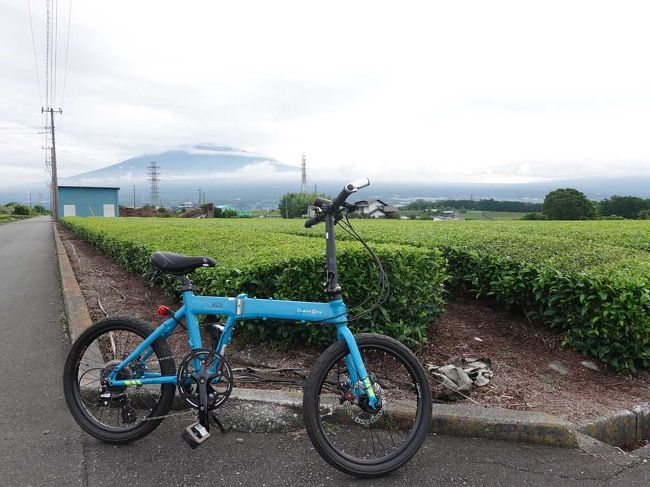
{"type": "Point", "coordinates": [162, 310]}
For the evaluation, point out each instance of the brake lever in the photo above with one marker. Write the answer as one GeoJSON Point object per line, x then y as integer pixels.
{"type": "Point", "coordinates": [350, 207]}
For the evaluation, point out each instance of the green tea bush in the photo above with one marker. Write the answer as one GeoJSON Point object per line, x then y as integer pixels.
{"type": "Point", "coordinates": [604, 315]}
{"type": "Point", "coordinates": [282, 266]}
{"type": "Point", "coordinates": [590, 279]}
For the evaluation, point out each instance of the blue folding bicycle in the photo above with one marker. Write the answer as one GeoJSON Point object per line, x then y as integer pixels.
{"type": "Point", "coordinates": [366, 402]}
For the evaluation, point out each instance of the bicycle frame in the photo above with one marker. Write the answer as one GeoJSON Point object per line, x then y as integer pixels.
{"type": "Point", "coordinates": [240, 308]}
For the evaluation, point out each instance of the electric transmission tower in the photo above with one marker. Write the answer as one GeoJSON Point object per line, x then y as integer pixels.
{"type": "Point", "coordinates": [153, 180]}
{"type": "Point", "coordinates": [303, 184]}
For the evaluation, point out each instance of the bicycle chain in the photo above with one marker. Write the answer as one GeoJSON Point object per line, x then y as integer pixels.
{"type": "Point", "coordinates": [193, 413]}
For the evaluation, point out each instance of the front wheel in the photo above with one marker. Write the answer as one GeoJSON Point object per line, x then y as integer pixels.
{"type": "Point", "coordinates": [345, 430]}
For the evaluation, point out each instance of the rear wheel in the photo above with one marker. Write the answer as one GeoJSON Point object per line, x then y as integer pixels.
{"type": "Point", "coordinates": [346, 432]}
{"type": "Point", "coordinates": [117, 414]}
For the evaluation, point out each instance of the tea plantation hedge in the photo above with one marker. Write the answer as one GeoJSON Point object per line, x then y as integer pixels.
{"type": "Point", "coordinates": [591, 279]}
{"type": "Point", "coordinates": [274, 264]}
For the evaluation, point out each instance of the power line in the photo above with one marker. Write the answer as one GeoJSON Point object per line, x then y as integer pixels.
{"type": "Point", "coordinates": [67, 48]}
{"type": "Point", "coordinates": [47, 55]}
{"type": "Point", "coordinates": [38, 78]}
{"type": "Point", "coordinates": [56, 48]}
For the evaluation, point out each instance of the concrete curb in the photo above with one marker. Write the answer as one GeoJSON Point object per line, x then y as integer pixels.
{"type": "Point", "coordinates": [503, 424]}
{"type": "Point", "coordinates": [263, 410]}
{"type": "Point", "coordinates": [76, 311]}
{"type": "Point", "coordinates": [620, 428]}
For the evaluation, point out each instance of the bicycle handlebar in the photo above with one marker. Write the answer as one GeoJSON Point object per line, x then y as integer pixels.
{"type": "Point", "coordinates": [347, 190]}
{"type": "Point", "coordinates": [314, 220]}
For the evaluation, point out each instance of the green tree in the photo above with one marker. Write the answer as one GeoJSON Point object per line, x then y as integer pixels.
{"type": "Point", "coordinates": [224, 213]}
{"type": "Point", "coordinates": [21, 210]}
{"type": "Point", "coordinates": [625, 206]}
{"type": "Point", "coordinates": [567, 204]}
{"type": "Point", "coordinates": [40, 210]}
{"type": "Point", "coordinates": [294, 205]}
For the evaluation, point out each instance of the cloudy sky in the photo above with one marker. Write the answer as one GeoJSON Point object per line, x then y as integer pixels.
{"type": "Point", "coordinates": [454, 91]}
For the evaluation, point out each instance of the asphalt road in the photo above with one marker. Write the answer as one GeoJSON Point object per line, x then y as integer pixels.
{"type": "Point", "coordinates": [40, 444]}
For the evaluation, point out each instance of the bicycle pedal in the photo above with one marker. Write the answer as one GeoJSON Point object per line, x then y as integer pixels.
{"type": "Point", "coordinates": [195, 434]}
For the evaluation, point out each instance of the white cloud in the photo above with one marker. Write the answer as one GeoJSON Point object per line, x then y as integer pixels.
{"type": "Point", "coordinates": [457, 91]}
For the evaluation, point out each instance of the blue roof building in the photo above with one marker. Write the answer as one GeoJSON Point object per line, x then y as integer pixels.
{"type": "Point", "coordinates": [88, 201]}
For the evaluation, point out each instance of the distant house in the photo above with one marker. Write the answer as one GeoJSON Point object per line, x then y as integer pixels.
{"type": "Point", "coordinates": [187, 205]}
{"type": "Point", "coordinates": [376, 209]}
{"type": "Point", "coordinates": [88, 201]}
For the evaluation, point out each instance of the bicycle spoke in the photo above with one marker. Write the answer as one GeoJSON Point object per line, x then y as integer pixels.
{"type": "Point", "coordinates": [348, 422]}
{"type": "Point", "coordinates": [114, 346]}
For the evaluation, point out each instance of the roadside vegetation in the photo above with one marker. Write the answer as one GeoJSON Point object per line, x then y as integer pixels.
{"type": "Point", "coordinates": [13, 211]}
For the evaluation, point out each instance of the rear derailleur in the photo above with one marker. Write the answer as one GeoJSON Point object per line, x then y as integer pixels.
{"type": "Point", "coordinates": [204, 381]}
{"type": "Point", "coordinates": [116, 396]}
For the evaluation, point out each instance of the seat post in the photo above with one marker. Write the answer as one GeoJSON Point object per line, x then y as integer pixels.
{"type": "Point", "coordinates": [186, 284]}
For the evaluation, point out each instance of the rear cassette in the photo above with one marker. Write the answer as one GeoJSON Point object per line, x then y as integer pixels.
{"type": "Point", "coordinates": [216, 372]}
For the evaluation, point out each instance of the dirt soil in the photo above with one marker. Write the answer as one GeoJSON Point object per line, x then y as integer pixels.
{"type": "Point", "coordinates": [521, 352]}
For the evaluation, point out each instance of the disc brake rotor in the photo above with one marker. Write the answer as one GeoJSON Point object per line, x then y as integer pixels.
{"type": "Point", "coordinates": [364, 414]}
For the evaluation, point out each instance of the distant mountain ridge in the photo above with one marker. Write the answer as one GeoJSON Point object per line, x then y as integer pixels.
{"type": "Point", "coordinates": [227, 175]}
{"type": "Point", "coordinates": [199, 162]}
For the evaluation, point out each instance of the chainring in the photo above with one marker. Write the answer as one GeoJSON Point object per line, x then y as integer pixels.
{"type": "Point", "coordinates": [219, 375]}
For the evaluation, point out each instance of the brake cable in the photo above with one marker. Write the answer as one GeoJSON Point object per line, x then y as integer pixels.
{"type": "Point", "coordinates": [385, 284]}
{"type": "Point", "coordinates": [383, 280]}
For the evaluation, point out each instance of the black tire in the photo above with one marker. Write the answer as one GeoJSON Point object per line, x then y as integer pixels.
{"type": "Point", "coordinates": [331, 444]}
{"type": "Point", "coordinates": [80, 402]}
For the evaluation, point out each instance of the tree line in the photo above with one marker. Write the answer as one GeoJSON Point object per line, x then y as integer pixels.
{"type": "Point", "coordinates": [14, 208]}
{"type": "Point", "coordinates": [571, 204]}
{"type": "Point", "coordinates": [479, 205]}
{"type": "Point", "coordinates": [560, 204]}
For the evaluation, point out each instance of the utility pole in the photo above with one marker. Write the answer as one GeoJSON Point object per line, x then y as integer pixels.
{"type": "Point", "coordinates": [55, 181]}
{"type": "Point", "coordinates": [134, 196]}
{"type": "Point", "coordinates": [30, 199]}
{"type": "Point", "coordinates": [199, 204]}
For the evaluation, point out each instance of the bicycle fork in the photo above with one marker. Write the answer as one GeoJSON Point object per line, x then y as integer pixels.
{"type": "Point", "coordinates": [355, 365]}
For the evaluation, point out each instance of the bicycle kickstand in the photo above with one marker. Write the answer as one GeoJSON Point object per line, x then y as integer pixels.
{"type": "Point", "coordinates": [218, 423]}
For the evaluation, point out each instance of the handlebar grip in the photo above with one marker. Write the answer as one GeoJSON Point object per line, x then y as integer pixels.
{"type": "Point", "coordinates": [348, 189]}
{"type": "Point", "coordinates": [338, 201]}
{"type": "Point", "coordinates": [313, 221]}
